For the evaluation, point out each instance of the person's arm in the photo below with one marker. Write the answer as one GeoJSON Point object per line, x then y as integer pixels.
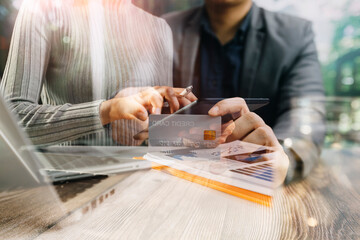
{"type": "Point", "coordinates": [23, 80]}
{"type": "Point", "coordinates": [25, 74]}
{"type": "Point", "coordinates": [300, 123]}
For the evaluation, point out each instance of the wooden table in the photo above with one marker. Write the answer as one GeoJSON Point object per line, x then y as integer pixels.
{"type": "Point", "coordinates": [153, 205]}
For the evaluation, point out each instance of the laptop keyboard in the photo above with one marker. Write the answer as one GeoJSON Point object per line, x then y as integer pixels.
{"type": "Point", "coordinates": [66, 162]}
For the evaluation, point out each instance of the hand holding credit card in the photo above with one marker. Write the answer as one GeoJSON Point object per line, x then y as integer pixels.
{"type": "Point", "coordinates": [202, 106]}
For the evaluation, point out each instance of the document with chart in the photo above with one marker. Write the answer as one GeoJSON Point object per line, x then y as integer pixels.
{"type": "Point", "coordinates": [240, 164]}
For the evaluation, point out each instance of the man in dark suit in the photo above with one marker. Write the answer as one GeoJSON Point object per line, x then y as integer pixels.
{"type": "Point", "coordinates": [233, 48]}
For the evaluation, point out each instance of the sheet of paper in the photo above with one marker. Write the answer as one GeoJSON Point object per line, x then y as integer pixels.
{"type": "Point", "coordinates": [237, 163]}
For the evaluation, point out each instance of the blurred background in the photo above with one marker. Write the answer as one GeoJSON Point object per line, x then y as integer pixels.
{"type": "Point", "coordinates": [336, 25]}
{"type": "Point", "coordinates": [337, 28]}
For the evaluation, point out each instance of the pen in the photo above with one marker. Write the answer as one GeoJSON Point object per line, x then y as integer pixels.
{"type": "Point", "coordinates": [184, 93]}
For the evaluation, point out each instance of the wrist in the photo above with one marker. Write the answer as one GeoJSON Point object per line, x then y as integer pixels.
{"type": "Point", "coordinates": [295, 163]}
{"type": "Point", "coordinates": [105, 109]}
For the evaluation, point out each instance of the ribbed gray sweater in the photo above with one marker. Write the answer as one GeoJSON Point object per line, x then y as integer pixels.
{"type": "Point", "coordinates": [76, 53]}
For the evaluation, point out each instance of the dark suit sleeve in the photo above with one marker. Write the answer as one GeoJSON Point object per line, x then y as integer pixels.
{"type": "Point", "coordinates": [300, 124]}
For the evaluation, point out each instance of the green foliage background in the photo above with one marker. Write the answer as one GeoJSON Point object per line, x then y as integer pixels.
{"type": "Point", "coordinates": [343, 63]}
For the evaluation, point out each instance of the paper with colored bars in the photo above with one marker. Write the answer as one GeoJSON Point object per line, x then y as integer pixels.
{"type": "Point", "coordinates": [239, 168]}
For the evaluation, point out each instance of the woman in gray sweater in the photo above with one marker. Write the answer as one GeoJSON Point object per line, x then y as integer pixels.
{"type": "Point", "coordinates": [74, 55]}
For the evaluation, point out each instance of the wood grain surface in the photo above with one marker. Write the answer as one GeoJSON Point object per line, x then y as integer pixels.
{"type": "Point", "coordinates": [26, 213]}
{"type": "Point", "coordinates": [154, 205]}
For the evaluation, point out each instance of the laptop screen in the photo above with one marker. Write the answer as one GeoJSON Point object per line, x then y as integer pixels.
{"type": "Point", "coordinates": [25, 197]}
{"type": "Point", "coordinates": [19, 167]}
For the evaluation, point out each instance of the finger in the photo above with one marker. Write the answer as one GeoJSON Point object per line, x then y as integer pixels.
{"type": "Point", "coordinates": [183, 101]}
{"type": "Point", "coordinates": [226, 130]}
{"type": "Point", "coordinates": [156, 101]}
{"type": "Point", "coordinates": [262, 136]}
{"type": "Point", "coordinates": [169, 94]}
{"type": "Point", "coordinates": [126, 108]}
{"type": "Point", "coordinates": [190, 96]}
{"type": "Point", "coordinates": [151, 100]}
{"type": "Point", "coordinates": [231, 105]}
{"type": "Point", "coordinates": [141, 135]}
{"type": "Point", "coordinates": [245, 125]}
{"type": "Point", "coordinates": [141, 113]}
{"type": "Point", "coordinates": [226, 125]}
{"type": "Point", "coordinates": [135, 110]}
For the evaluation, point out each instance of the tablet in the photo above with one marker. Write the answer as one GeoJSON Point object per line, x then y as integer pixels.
{"type": "Point", "coordinates": [202, 106]}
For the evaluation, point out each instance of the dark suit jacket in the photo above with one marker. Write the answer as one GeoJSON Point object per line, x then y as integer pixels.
{"type": "Point", "coordinates": [280, 63]}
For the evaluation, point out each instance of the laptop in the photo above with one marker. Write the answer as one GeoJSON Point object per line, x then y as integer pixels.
{"type": "Point", "coordinates": [75, 162]}
{"type": "Point", "coordinates": [59, 163]}
{"type": "Point", "coordinates": [29, 204]}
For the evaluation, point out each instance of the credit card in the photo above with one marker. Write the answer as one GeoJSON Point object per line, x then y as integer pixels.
{"type": "Point", "coordinates": [184, 130]}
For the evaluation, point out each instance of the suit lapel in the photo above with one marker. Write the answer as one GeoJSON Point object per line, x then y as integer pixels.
{"type": "Point", "coordinates": [253, 47]}
{"type": "Point", "coordinates": [190, 49]}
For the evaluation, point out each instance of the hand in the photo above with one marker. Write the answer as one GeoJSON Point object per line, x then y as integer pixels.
{"type": "Point", "coordinates": [135, 103]}
{"type": "Point", "coordinates": [249, 127]}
